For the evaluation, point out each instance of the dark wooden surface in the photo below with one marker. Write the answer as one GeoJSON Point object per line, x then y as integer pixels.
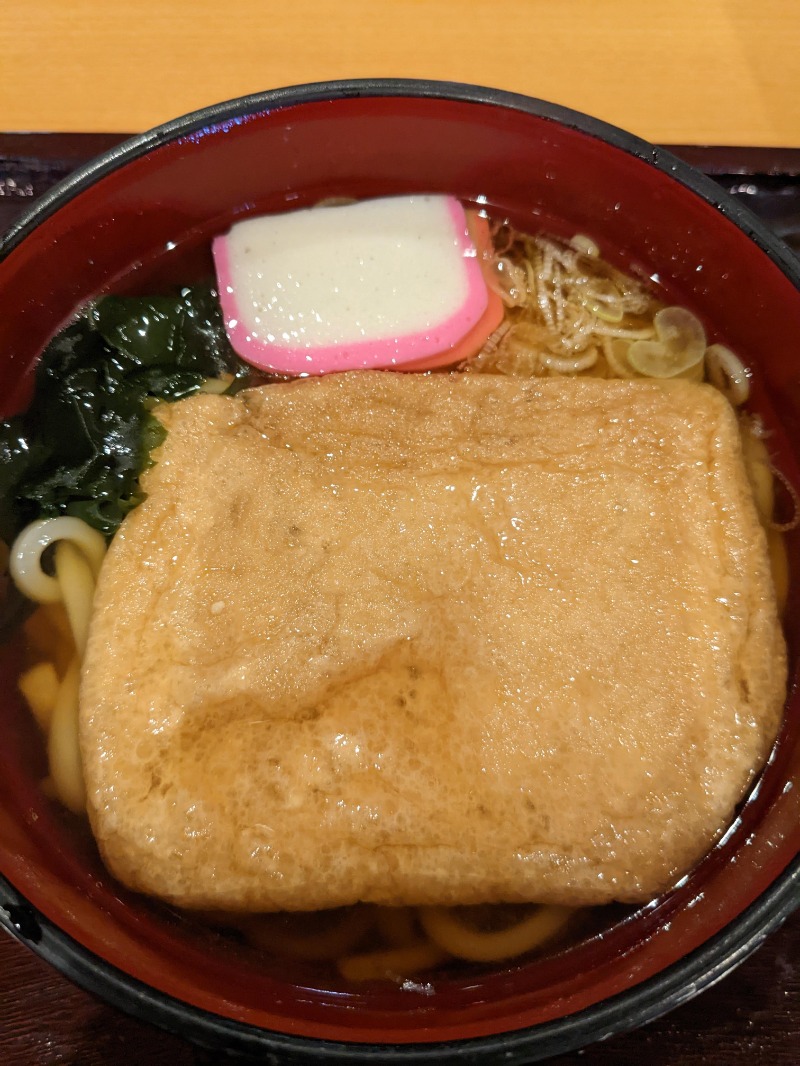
{"type": "Point", "coordinates": [752, 1018]}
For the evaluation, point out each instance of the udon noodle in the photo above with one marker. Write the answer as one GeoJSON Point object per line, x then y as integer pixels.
{"type": "Point", "coordinates": [78, 555]}
{"type": "Point", "coordinates": [567, 313]}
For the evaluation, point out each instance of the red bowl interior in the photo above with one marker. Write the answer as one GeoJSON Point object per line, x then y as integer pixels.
{"type": "Point", "coordinates": [146, 224]}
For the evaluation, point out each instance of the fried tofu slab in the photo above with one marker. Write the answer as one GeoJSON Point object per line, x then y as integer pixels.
{"type": "Point", "coordinates": [447, 639]}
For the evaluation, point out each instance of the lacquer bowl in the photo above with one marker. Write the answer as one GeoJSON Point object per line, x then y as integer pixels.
{"type": "Point", "coordinates": [140, 218]}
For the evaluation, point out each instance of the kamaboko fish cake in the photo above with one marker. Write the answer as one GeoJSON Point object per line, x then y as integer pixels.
{"type": "Point", "coordinates": [431, 639]}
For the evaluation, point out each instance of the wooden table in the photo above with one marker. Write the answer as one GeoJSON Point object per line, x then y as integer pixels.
{"type": "Point", "coordinates": [673, 71]}
{"type": "Point", "coordinates": [750, 1019]}
{"type": "Point", "coordinates": [720, 72]}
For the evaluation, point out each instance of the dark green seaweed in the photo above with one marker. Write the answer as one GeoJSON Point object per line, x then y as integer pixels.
{"type": "Point", "coordinates": [87, 436]}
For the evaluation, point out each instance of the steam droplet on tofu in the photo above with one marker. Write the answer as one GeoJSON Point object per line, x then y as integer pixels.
{"type": "Point", "coordinates": [396, 282]}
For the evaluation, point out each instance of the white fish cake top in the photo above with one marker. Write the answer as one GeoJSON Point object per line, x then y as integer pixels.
{"type": "Point", "coordinates": [375, 283]}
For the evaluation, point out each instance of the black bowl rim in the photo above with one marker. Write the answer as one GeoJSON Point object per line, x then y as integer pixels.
{"type": "Point", "coordinates": [627, 1010]}
{"type": "Point", "coordinates": [643, 1003]}
{"type": "Point", "coordinates": [277, 99]}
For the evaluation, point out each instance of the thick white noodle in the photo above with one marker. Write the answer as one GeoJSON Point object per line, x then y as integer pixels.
{"type": "Point", "coordinates": [77, 584]}
{"type": "Point", "coordinates": [63, 748]}
{"type": "Point", "coordinates": [25, 560]}
{"type": "Point", "coordinates": [444, 928]}
{"type": "Point", "coordinates": [564, 365]}
{"type": "Point", "coordinates": [79, 552]}
{"type": "Point", "coordinates": [585, 245]}
{"type": "Point", "coordinates": [728, 373]}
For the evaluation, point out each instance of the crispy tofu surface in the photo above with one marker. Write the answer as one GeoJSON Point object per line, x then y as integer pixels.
{"type": "Point", "coordinates": [431, 639]}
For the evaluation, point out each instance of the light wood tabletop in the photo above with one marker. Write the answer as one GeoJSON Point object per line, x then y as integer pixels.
{"type": "Point", "coordinates": [680, 71]}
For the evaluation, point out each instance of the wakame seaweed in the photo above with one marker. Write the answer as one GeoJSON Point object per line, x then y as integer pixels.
{"type": "Point", "coordinates": [81, 445]}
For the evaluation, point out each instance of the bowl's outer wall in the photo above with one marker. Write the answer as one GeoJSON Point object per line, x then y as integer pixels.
{"type": "Point", "coordinates": [148, 224]}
